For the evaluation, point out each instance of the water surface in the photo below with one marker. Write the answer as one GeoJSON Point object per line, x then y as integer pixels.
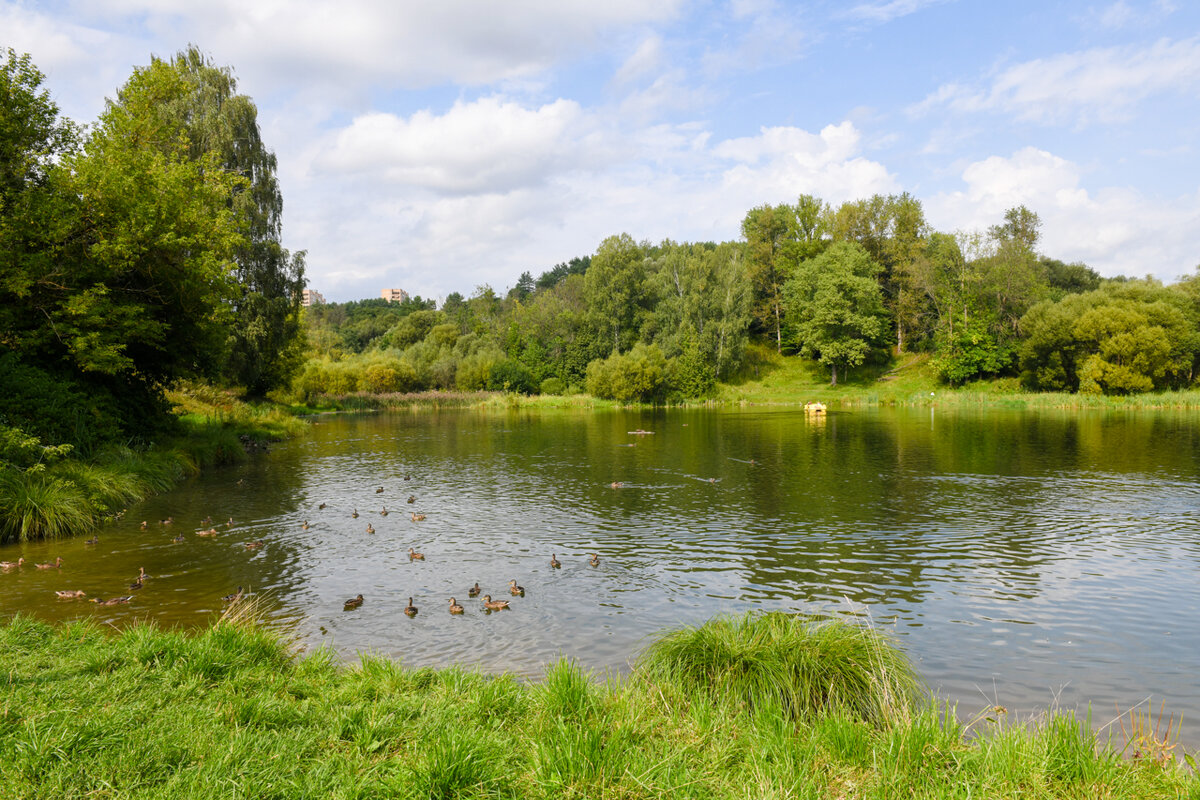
{"type": "Point", "coordinates": [1021, 558]}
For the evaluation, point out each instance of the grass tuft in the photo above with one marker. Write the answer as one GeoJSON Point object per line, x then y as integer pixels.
{"type": "Point", "coordinates": [805, 667]}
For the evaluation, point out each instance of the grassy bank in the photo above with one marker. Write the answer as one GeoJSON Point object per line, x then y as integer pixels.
{"type": "Point", "coordinates": [765, 707]}
{"type": "Point", "coordinates": [68, 496]}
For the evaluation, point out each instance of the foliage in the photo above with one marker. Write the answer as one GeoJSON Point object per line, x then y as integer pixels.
{"type": "Point", "coordinates": [835, 306]}
{"type": "Point", "coordinates": [640, 374]}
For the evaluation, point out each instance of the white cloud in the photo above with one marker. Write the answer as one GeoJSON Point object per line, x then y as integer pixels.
{"type": "Point", "coordinates": [490, 145]}
{"type": "Point", "coordinates": [1115, 230]}
{"type": "Point", "coordinates": [1101, 84]}
{"type": "Point", "coordinates": [888, 11]}
{"type": "Point", "coordinates": [646, 58]}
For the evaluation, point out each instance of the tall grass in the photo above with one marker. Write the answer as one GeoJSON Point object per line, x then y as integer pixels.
{"type": "Point", "coordinates": [803, 667]}
{"type": "Point", "coordinates": [234, 711]}
{"type": "Point", "coordinates": [36, 505]}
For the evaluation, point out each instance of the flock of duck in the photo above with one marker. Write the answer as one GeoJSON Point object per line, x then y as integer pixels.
{"type": "Point", "coordinates": [489, 605]}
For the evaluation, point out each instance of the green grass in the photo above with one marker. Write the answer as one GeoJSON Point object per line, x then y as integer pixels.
{"type": "Point", "coordinates": [233, 711]}
{"type": "Point", "coordinates": [73, 496]}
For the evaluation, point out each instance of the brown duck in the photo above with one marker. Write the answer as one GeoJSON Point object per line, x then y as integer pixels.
{"type": "Point", "coordinates": [494, 605]}
{"type": "Point", "coordinates": [474, 590]}
{"type": "Point", "coordinates": [514, 590]}
{"type": "Point", "coordinates": [413, 555]}
{"type": "Point", "coordinates": [455, 608]}
{"type": "Point", "coordinates": [410, 610]}
{"type": "Point", "coordinates": [352, 603]}
{"type": "Point", "coordinates": [71, 594]}
{"type": "Point", "coordinates": [56, 565]}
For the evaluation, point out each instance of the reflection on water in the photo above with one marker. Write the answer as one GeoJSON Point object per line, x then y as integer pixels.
{"type": "Point", "coordinates": [1018, 557]}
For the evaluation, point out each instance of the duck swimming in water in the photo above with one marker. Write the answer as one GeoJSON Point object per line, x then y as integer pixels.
{"type": "Point", "coordinates": [229, 598]}
{"type": "Point", "coordinates": [56, 565]}
{"type": "Point", "coordinates": [417, 517]}
{"type": "Point", "coordinates": [474, 590]}
{"type": "Point", "coordinates": [71, 594]}
{"type": "Point", "coordinates": [413, 555]}
{"type": "Point", "coordinates": [594, 560]}
{"type": "Point", "coordinates": [370, 528]}
{"type": "Point", "coordinates": [112, 601]}
{"type": "Point", "coordinates": [554, 562]}
{"type": "Point", "coordinates": [494, 605]}
{"type": "Point", "coordinates": [352, 603]}
{"type": "Point", "coordinates": [7, 565]}
{"type": "Point", "coordinates": [410, 610]}
{"type": "Point", "coordinates": [514, 590]}
{"type": "Point", "coordinates": [455, 608]}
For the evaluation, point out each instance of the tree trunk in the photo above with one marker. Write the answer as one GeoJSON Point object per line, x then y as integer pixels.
{"type": "Point", "coordinates": [834, 368]}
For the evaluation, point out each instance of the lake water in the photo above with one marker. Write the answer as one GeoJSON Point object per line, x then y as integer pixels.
{"type": "Point", "coordinates": [1024, 559]}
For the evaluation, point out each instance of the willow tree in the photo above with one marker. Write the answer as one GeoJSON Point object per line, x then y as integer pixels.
{"type": "Point", "coordinates": [263, 347]}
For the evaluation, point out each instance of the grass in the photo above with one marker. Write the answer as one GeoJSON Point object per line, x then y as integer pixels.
{"type": "Point", "coordinates": [73, 496]}
{"type": "Point", "coordinates": [233, 711]}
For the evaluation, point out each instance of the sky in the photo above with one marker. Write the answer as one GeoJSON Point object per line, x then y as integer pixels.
{"type": "Point", "coordinates": [443, 146]}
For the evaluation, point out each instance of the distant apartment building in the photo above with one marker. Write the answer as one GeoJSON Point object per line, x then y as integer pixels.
{"type": "Point", "coordinates": [394, 295]}
{"type": "Point", "coordinates": [311, 297]}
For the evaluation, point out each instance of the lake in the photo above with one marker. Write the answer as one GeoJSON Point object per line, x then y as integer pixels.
{"type": "Point", "coordinates": [1021, 558]}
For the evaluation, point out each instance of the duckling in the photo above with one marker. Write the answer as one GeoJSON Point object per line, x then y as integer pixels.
{"type": "Point", "coordinates": [353, 603]}
{"type": "Point", "coordinates": [594, 560]}
{"type": "Point", "coordinates": [379, 490]}
{"type": "Point", "coordinates": [93, 541]}
{"type": "Point", "coordinates": [474, 590]}
{"type": "Point", "coordinates": [71, 594]}
{"type": "Point", "coordinates": [305, 525]}
{"type": "Point", "coordinates": [370, 528]}
{"type": "Point", "coordinates": [7, 565]}
{"type": "Point", "coordinates": [417, 517]}
{"type": "Point", "coordinates": [514, 590]}
{"type": "Point", "coordinates": [383, 513]}
{"type": "Point", "coordinates": [112, 601]}
{"type": "Point", "coordinates": [494, 605]}
{"type": "Point", "coordinates": [554, 562]}
{"type": "Point", "coordinates": [410, 610]}
{"type": "Point", "coordinates": [143, 524]}
{"type": "Point", "coordinates": [230, 598]}
{"type": "Point", "coordinates": [412, 498]}
{"type": "Point", "coordinates": [355, 514]}
{"type": "Point", "coordinates": [455, 608]}
{"type": "Point", "coordinates": [413, 555]}
{"type": "Point", "coordinates": [56, 565]}
{"type": "Point", "coordinates": [178, 538]}
{"type": "Point", "coordinates": [254, 545]}
{"type": "Point", "coordinates": [321, 507]}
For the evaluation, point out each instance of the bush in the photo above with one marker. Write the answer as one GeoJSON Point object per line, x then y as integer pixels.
{"type": "Point", "coordinates": [554, 386]}
{"type": "Point", "coordinates": [511, 376]}
{"type": "Point", "coordinates": [640, 374]}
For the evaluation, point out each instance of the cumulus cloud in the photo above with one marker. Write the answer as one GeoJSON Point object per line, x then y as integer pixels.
{"type": "Point", "coordinates": [1115, 230]}
{"type": "Point", "coordinates": [490, 145]}
{"type": "Point", "coordinates": [1101, 85]}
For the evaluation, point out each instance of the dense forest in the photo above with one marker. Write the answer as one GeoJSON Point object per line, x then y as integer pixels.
{"type": "Point", "coordinates": [847, 285]}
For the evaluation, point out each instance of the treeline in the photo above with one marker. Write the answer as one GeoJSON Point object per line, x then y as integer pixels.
{"type": "Point", "coordinates": [846, 285]}
{"type": "Point", "coordinates": [136, 252]}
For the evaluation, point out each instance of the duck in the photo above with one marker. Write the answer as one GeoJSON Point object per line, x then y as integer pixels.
{"type": "Point", "coordinates": [410, 610]}
{"type": "Point", "coordinates": [254, 545]}
{"type": "Point", "coordinates": [144, 523]}
{"type": "Point", "coordinates": [209, 532]}
{"type": "Point", "coordinates": [112, 601]}
{"type": "Point", "coordinates": [167, 521]}
{"type": "Point", "coordinates": [554, 562]}
{"type": "Point", "coordinates": [379, 490]}
{"type": "Point", "coordinates": [71, 594]}
{"type": "Point", "coordinates": [321, 507]}
{"type": "Point", "coordinates": [207, 520]}
{"type": "Point", "coordinates": [229, 523]}
{"type": "Point", "coordinates": [616, 485]}
{"type": "Point", "coordinates": [383, 513]}
{"type": "Point", "coordinates": [56, 565]}
{"type": "Point", "coordinates": [408, 477]}
{"type": "Point", "coordinates": [413, 555]}
{"type": "Point", "coordinates": [412, 498]}
{"type": "Point", "coordinates": [417, 517]}
{"type": "Point", "coordinates": [594, 560]}
{"type": "Point", "coordinates": [178, 538]}
{"type": "Point", "coordinates": [137, 584]}
{"type": "Point", "coordinates": [494, 605]}
{"type": "Point", "coordinates": [230, 598]}
{"type": "Point", "coordinates": [514, 590]}
{"type": "Point", "coordinates": [240, 481]}
{"type": "Point", "coordinates": [352, 603]}
{"type": "Point", "coordinates": [370, 528]}
{"type": "Point", "coordinates": [142, 574]}
{"type": "Point", "coordinates": [455, 608]}
{"type": "Point", "coordinates": [354, 514]}
{"type": "Point", "coordinates": [93, 541]}
{"type": "Point", "coordinates": [7, 565]}
{"type": "Point", "coordinates": [474, 590]}
{"type": "Point", "coordinates": [305, 525]}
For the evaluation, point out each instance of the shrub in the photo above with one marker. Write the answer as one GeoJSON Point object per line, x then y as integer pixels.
{"type": "Point", "coordinates": [639, 374]}
{"type": "Point", "coordinates": [511, 376]}
{"type": "Point", "coordinates": [554, 386]}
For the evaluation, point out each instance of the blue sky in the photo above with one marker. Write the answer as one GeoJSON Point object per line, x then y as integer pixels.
{"type": "Point", "coordinates": [441, 146]}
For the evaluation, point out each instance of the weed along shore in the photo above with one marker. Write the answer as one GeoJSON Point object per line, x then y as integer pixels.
{"type": "Point", "coordinates": [756, 706]}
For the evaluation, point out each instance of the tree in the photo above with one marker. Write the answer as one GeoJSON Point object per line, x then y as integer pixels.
{"type": "Point", "coordinates": [836, 307]}
{"type": "Point", "coordinates": [767, 229]}
{"type": "Point", "coordinates": [613, 286]}
{"type": "Point", "coordinates": [265, 339]}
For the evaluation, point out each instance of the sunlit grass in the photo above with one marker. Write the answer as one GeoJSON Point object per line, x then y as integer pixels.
{"type": "Point", "coordinates": [235, 711]}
